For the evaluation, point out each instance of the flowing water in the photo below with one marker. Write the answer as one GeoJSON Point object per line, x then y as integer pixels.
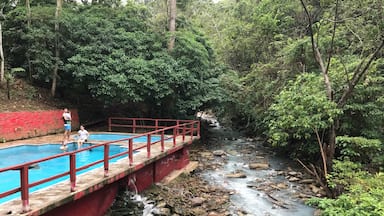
{"type": "Point", "coordinates": [240, 152]}
{"type": "Point", "coordinates": [253, 202]}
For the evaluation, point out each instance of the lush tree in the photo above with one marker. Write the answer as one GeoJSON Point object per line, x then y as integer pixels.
{"type": "Point", "coordinates": [121, 62]}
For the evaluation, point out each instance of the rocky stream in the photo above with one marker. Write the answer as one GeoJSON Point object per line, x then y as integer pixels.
{"type": "Point", "coordinates": [235, 176]}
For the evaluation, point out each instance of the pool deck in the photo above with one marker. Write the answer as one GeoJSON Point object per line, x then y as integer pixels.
{"type": "Point", "coordinates": [43, 200]}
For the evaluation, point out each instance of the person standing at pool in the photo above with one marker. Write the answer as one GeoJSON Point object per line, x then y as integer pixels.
{"type": "Point", "coordinates": [83, 136]}
{"type": "Point", "coordinates": [67, 126]}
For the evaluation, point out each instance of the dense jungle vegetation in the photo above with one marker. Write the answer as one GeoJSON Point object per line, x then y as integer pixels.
{"type": "Point", "coordinates": [308, 75]}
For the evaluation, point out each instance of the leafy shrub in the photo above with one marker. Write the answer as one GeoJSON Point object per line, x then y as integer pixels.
{"type": "Point", "coordinates": [360, 149]}
{"type": "Point", "coordinates": [364, 197]}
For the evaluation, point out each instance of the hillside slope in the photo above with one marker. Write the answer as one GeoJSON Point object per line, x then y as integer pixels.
{"type": "Point", "coordinates": [25, 97]}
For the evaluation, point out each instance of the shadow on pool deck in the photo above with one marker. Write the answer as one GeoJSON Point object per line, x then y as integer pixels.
{"type": "Point", "coordinates": [43, 200]}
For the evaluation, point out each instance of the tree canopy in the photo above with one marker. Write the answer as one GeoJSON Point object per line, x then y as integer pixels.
{"type": "Point", "coordinates": [306, 75]}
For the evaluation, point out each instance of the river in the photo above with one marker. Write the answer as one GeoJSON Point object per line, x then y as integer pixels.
{"type": "Point", "coordinates": [271, 200]}
{"type": "Point", "coordinates": [260, 192]}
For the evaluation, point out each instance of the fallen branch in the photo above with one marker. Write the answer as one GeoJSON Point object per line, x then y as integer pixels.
{"type": "Point", "coordinates": [277, 202]}
{"type": "Point", "coordinates": [305, 167]}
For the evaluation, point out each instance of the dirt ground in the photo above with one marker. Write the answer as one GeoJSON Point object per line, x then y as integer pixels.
{"type": "Point", "coordinates": [25, 97]}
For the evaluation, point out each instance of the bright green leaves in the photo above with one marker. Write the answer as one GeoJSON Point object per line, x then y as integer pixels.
{"type": "Point", "coordinates": [300, 109]}
{"type": "Point", "coordinates": [363, 193]}
{"type": "Point", "coordinates": [360, 149]}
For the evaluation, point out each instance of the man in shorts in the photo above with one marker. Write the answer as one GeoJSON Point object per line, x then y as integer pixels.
{"type": "Point", "coordinates": [67, 118]}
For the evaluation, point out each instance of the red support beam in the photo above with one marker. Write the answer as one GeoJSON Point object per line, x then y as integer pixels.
{"type": "Point", "coordinates": [183, 133]}
{"type": "Point", "coordinates": [130, 151]}
{"type": "Point", "coordinates": [156, 124]}
{"type": "Point", "coordinates": [192, 128]}
{"type": "Point", "coordinates": [177, 123]}
{"type": "Point", "coordinates": [175, 129]}
{"type": "Point", "coordinates": [106, 159]}
{"type": "Point", "coordinates": [24, 188]}
{"type": "Point", "coordinates": [162, 141]}
{"type": "Point", "coordinates": [72, 171]}
{"type": "Point", "coordinates": [148, 145]}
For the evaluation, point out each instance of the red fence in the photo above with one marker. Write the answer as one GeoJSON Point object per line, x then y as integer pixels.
{"type": "Point", "coordinates": [184, 128]}
{"type": "Point", "coordinates": [135, 124]}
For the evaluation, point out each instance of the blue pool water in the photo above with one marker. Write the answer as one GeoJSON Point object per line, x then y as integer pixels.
{"type": "Point", "coordinates": [20, 154]}
{"type": "Point", "coordinates": [111, 137]}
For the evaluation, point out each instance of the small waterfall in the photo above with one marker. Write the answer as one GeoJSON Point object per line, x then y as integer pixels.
{"type": "Point", "coordinates": [149, 206]}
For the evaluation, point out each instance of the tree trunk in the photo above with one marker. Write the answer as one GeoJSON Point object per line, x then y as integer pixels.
{"type": "Point", "coordinates": [331, 145]}
{"type": "Point", "coordinates": [358, 75]}
{"type": "Point", "coordinates": [2, 69]}
{"type": "Point", "coordinates": [28, 5]}
{"type": "Point", "coordinates": [172, 24]}
{"type": "Point", "coordinates": [8, 89]}
{"type": "Point", "coordinates": [59, 4]}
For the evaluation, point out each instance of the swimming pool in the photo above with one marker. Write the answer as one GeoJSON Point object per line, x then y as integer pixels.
{"type": "Point", "coordinates": [114, 136]}
{"type": "Point", "coordinates": [25, 153]}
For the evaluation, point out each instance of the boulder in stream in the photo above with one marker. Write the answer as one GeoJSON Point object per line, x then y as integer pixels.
{"type": "Point", "coordinates": [236, 174]}
{"type": "Point", "coordinates": [219, 153]}
{"type": "Point", "coordinates": [258, 166]}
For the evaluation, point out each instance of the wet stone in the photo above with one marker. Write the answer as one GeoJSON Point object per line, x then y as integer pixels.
{"type": "Point", "coordinates": [236, 174]}
{"type": "Point", "coordinates": [219, 153]}
{"type": "Point", "coordinates": [197, 201]}
{"type": "Point", "coordinates": [258, 166]}
{"type": "Point", "coordinates": [162, 211]}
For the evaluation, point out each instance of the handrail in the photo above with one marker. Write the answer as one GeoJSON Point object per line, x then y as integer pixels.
{"type": "Point", "coordinates": [187, 128]}
{"type": "Point", "coordinates": [156, 123]}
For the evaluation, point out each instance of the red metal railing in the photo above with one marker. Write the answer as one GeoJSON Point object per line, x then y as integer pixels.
{"type": "Point", "coordinates": [145, 123]}
{"type": "Point", "coordinates": [183, 128]}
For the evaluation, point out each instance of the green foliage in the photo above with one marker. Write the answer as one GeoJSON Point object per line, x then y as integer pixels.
{"type": "Point", "coordinates": [300, 110]}
{"type": "Point", "coordinates": [111, 55]}
{"type": "Point", "coordinates": [364, 195]}
{"type": "Point", "coordinates": [36, 42]}
{"type": "Point", "coordinates": [125, 63]}
{"type": "Point", "coordinates": [357, 147]}
{"type": "Point", "coordinates": [263, 26]}
{"type": "Point", "coordinates": [365, 112]}
{"type": "Point", "coordinates": [345, 173]}
{"type": "Point", "coordinates": [360, 149]}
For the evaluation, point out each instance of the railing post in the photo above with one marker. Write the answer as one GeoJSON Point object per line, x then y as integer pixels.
{"type": "Point", "coordinates": [148, 145]}
{"type": "Point", "coordinates": [198, 129]}
{"type": "Point", "coordinates": [106, 159]}
{"type": "Point", "coordinates": [130, 151]}
{"type": "Point", "coordinates": [109, 124]}
{"type": "Point", "coordinates": [162, 141]}
{"type": "Point", "coordinates": [177, 123]}
{"type": "Point", "coordinates": [134, 126]}
{"type": "Point", "coordinates": [24, 189]}
{"type": "Point", "coordinates": [174, 135]}
{"type": "Point", "coordinates": [183, 135]}
{"type": "Point", "coordinates": [72, 171]}
{"type": "Point", "coordinates": [156, 125]}
{"type": "Point", "coordinates": [192, 130]}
